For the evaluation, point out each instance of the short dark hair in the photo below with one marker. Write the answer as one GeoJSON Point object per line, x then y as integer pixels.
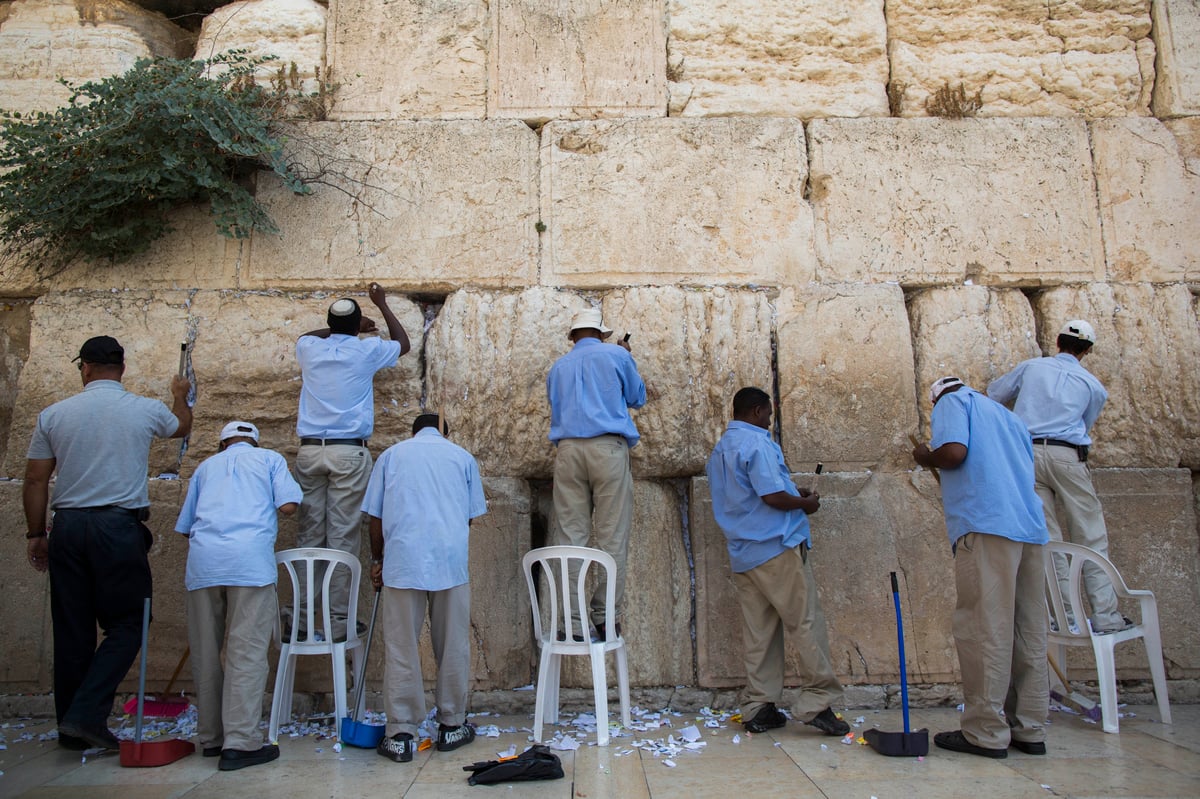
{"type": "Point", "coordinates": [749, 398]}
{"type": "Point", "coordinates": [429, 420]}
{"type": "Point", "coordinates": [1073, 345]}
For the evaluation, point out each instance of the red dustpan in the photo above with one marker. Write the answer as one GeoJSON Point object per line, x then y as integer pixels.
{"type": "Point", "coordinates": [144, 754]}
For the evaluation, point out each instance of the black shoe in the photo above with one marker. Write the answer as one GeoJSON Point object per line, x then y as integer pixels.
{"type": "Point", "coordinates": [957, 742]}
{"type": "Point", "coordinates": [71, 743]}
{"type": "Point", "coordinates": [827, 722]}
{"type": "Point", "coordinates": [99, 737]}
{"type": "Point", "coordinates": [212, 751]}
{"type": "Point", "coordinates": [1028, 747]}
{"type": "Point", "coordinates": [399, 747]}
{"type": "Point", "coordinates": [450, 738]}
{"type": "Point", "coordinates": [768, 717]}
{"type": "Point", "coordinates": [360, 629]}
{"type": "Point", "coordinates": [234, 759]}
{"type": "Point", "coordinates": [1125, 625]}
{"type": "Point", "coordinates": [562, 636]}
{"type": "Point", "coordinates": [602, 627]}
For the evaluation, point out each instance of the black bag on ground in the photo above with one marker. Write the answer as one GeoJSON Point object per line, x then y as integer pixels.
{"type": "Point", "coordinates": [535, 763]}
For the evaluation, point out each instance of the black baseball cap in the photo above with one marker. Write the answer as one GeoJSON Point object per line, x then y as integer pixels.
{"type": "Point", "coordinates": [101, 349]}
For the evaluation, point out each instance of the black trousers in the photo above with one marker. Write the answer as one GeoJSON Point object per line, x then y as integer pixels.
{"type": "Point", "coordinates": [99, 575]}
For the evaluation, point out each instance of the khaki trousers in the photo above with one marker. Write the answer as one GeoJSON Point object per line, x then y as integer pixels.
{"type": "Point", "coordinates": [334, 479]}
{"type": "Point", "coordinates": [778, 596]}
{"type": "Point", "coordinates": [230, 700]}
{"type": "Point", "coordinates": [1058, 473]}
{"type": "Point", "coordinates": [404, 612]}
{"type": "Point", "coordinates": [593, 487]}
{"type": "Point", "coordinates": [1000, 630]}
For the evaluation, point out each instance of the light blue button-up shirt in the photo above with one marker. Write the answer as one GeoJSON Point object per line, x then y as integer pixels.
{"type": "Point", "coordinates": [426, 490]}
{"type": "Point", "coordinates": [229, 516]}
{"type": "Point", "coordinates": [991, 491]}
{"type": "Point", "coordinates": [591, 390]}
{"type": "Point", "coordinates": [1055, 397]}
{"type": "Point", "coordinates": [337, 398]}
{"type": "Point", "coordinates": [745, 466]}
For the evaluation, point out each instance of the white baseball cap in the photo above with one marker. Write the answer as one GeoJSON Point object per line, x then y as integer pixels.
{"type": "Point", "coordinates": [235, 429]}
{"type": "Point", "coordinates": [590, 319]}
{"type": "Point", "coordinates": [1080, 330]}
{"type": "Point", "coordinates": [941, 386]}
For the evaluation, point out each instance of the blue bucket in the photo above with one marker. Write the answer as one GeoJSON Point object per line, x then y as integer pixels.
{"type": "Point", "coordinates": [361, 734]}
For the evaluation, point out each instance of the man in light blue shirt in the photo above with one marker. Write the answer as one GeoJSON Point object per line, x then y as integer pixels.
{"type": "Point", "coordinates": [229, 517]}
{"type": "Point", "coordinates": [591, 390]}
{"type": "Point", "coordinates": [1059, 401]}
{"type": "Point", "coordinates": [765, 520]}
{"type": "Point", "coordinates": [421, 498]}
{"type": "Point", "coordinates": [996, 528]}
{"type": "Point", "coordinates": [337, 416]}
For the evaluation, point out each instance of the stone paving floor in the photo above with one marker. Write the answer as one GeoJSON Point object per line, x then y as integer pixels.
{"type": "Point", "coordinates": [1147, 759]}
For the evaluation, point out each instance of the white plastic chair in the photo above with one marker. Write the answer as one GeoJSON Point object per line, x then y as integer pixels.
{"type": "Point", "coordinates": [304, 561]}
{"type": "Point", "coordinates": [563, 600]}
{"type": "Point", "coordinates": [1061, 635]}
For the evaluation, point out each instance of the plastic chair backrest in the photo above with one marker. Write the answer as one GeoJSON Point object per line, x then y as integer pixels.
{"type": "Point", "coordinates": [563, 600]}
{"type": "Point", "coordinates": [304, 561]}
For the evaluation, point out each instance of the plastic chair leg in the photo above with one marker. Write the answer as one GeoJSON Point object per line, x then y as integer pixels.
{"type": "Point", "coordinates": [280, 701]}
{"type": "Point", "coordinates": [600, 690]}
{"type": "Point", "coordinates": [623, 685]}
{"type": "Point", "coordinates": [1106, 674]}
{"type": "Point", "coordinates": [544, 693]}
{"type": "Point", "coordinates": [339, 687]}
{"type": "Point", "coordinates": [1158, 672]}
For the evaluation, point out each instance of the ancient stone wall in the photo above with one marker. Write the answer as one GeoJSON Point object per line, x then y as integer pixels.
{"type": "Point", "coordinates": [759, 191]}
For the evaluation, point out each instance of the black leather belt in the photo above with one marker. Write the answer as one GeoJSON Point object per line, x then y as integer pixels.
{"type": "Point", "coordinates": [141, 514]}
{"type": "Point", "coordinates": [352, 442]}
{"type": "Point", "coordinates": [1080, 449]}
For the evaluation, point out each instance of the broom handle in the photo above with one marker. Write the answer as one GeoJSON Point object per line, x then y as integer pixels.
{"type": "Point", "coordinates": [141, 706]}
{"type": "Point", "coordinates": [1058, 671]}
{"type": "Point", "coordinates": [900, 638]}
{"type": "Point", "coordinates": [362, 678]}
{"type": "Point", "coordinates": [178, 668]}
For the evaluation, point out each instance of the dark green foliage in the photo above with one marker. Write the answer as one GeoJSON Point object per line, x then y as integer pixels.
{"type": "Point", "coordinates": [98, 177]}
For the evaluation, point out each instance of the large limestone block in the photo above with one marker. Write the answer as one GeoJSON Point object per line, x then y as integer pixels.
{"type": "Point", "coordinates": [293, 31]}
{"type": "Point", "coordinates": [932, 201]}
{"type": "Point", "coordinates": [14, 351]}
{"type": "Point", "coordinates": [150, 327]}
{"type": "Point", "coordinates": [972, 332]}
{"type": "Point", "coordinates": [1151, 523]}
{"type": "Point", "coordinates": [430, 206]}
{"type": "Point", "coordinates": [694, 351]}
{"type": "Point", "coordinates": [1071, 58]}
{"type": "Point", "coordinates": [1149, 191]}
{"type": "Point", "coordinates": [777, 58]}
{"type": "Point", "coordinates": [24, 604]}
{"type": "Point", "coordinates": [243, 354]}
{"type": "Point", "coordinates": [846, 381]}
{"type": "Point", "coordinates": [1177, 62]}
{"type": "Point", "coordinates": [408, 59]}
{"type": "Point", "coordinates": [44, 40]}
{"type": "Point", "coordinates": [586, 59]}
{"type": "Point", "coordinates": [671, 201]}
{"type": "Point", "coordinates": [1147, 348]}
{"type": "Point", "coordinates": [868, 525]}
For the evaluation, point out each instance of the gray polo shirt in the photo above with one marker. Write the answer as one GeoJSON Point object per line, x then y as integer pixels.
{"type": "Point", "coordinates": [101, 440]}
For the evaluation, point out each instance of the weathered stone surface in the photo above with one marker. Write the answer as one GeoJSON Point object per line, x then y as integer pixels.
{"type": "Point", "coordinates": [1149, 191]}
{"type": "Point", "coordinates": [868, 525]}
{"type": "Point", "coordinates": [244, 358]}
{"type": "Point", "coordinates": [430, 206]}
{"type": "Point", "coordinates": [1027, 59]}
{"type": "Point", "coordinates": [671, 201]}
{"type": "Point", "coordinates": [595, 58]}
{"type": "Point", "coordinates": [43, 40]}
{"type": "Point", "coordinates": [777, 58]}
{"type": "Point", "coordinates": [150, 326]}
{"type": "Point", "coordinates": [972, 332]}
{"type": "Point", "coordinates": [291, 30]}
{"type": "Point", "coordinates": [1147, 348]}
{"type": "Point", "coordinates": [846, 381]}
{"type": "Point", "coordinates": [409, 59]}
{"type": "Point", "coordinates": [938, 201]}
{"type": "Point", "coordinates": [1177, 61]}
{"type": "Point", "coordinates": [14, 351]}
{"type": "Point", "coordinates": [24, 604]}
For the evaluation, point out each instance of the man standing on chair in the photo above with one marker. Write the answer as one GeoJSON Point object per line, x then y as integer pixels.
{"type": "Point", "coordinates": [591, 390]}
{"type": "Point", "coordinates": [997, 532]}
{"type": "Point", "coordinates": [337, 416]}
{"type": "Point", "coordinates": [1059, 401]}
{"type": "Point", "coordinates": [229, 517]}
{"type": "Point", "coordinates": [420, 501]}
{"type": "Point", "coordinates": [99, 441]}
{"type": "Point", "coordinates": [765, 520]}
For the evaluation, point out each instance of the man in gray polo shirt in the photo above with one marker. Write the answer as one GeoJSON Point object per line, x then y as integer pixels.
{"type": "Point", "coordinates": [99, 440]}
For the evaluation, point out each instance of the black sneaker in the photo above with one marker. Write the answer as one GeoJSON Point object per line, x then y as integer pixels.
{"type": "Point", "coordinates": [1028, 747]}
{"type": "Point", "coordinates": [1125, 625]}
{"type": "Point", "coordinates": [450, 738]}
{"type": "Point", "coordinates": [957, 742]}
{"type": "Point", "coordinates": [399, 747]}
{"type": "Point", "coordinates": [602, 628]}
{"type": "Point", "coordinates": [234, 759]}
{"type": "Point", "coordinates": [212, 751]}
{"type": "Point", "coordinates": [768, 717]}
{"type": "Point", "coordinates": [828, 722]}
{"type": "Point", "coordinates": [99, 737]}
